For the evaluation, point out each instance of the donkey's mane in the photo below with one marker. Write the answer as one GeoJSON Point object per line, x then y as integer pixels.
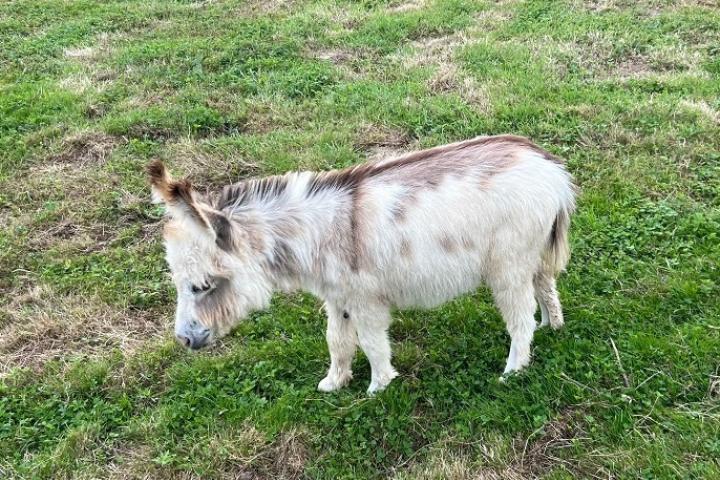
{"type": "Point", "coordinates": [259, 190]}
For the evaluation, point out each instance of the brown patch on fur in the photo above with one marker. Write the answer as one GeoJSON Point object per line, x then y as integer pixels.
{"type": "Point", "coordinates": [405, 248]}
{"type": "Point", "coordinates": [467, 242]}
{"type": "Point", "coordinates": [494, 151]}
{"type": "Point", "coordinates": [400, 212]}
{"type": "Point", "coordinates": [159, 178]}
{"type": "Point", "coordinates": [448, 244]}
{"type": "Point", "coordinates": [223, 230]}
{"type": "Point", "coordinates": [355, 226]}
{"type": "Point", "coordinates": [45, 325]}
{"type": "Point", "coordinates": [217, 308]}
{"type": "Point", "coordinates": [423, 169]}
{"type": "Point", "coordinates": [282, 260]}
{"type": "Point", "coordinates": [492, 144]}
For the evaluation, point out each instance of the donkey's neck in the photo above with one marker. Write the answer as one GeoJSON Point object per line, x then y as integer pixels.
{"type": "Point", "coordinates": [301, 227]}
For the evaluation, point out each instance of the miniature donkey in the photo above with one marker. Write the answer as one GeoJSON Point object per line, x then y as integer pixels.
{"type": "Point", "coordinates": [413, 231]}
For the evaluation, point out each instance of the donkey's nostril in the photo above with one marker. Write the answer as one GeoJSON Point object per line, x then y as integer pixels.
{"type": "Point", "coordinates": [184, 341]}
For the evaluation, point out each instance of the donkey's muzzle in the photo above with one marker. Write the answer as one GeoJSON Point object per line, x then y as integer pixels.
{"type": "Point", "coordinates": [194, 341]}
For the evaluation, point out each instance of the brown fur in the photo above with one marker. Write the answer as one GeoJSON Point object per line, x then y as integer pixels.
{"type": "Point", "coordinates": [405, 248]}
{"type": "Point", "coordinates": [448, 244]}
{"type": "Point", "coordinates": [217, 305]}
{"type": "Point", "coordinates": [176, 193]}
{"type": "Point", "coordinates": [467, 243]}
{"type": "Point", "coordinates": [498, 154]}
{"type": "Point", "coordinates": [418, 170]}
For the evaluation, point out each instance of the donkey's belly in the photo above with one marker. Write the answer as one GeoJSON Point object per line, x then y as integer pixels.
{"type": "Point", "coordinates": [432, 283]}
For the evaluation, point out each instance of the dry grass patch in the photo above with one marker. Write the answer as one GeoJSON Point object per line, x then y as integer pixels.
{"type": "Point", "coordinates": [379, 142]}
{"type": "Point", "coordinates": [446, 466]}
{"type": "Point", "coordinates": [595, 56]}
{"type": "Point", "coordinates": [242, 453]}
{"type": "Point", "coordinates": [412, 5]}
{"type": "Point", "coordinates": [68, 235]}
{"type": "Point", "coordinates": [651, 7]}
{"type": "Point", "coordinates": [92, 53]}
{"type": "Point", "coordinates": [45, 325]}
{"type": "Point", "coordinates": [351, 64]}
{"type": "Point", "coordinates": [540, 452]}
{"type": "Point", "coordinates": [86, 148]}
{"type": "Point", "coordinates": [453, 460]}
{"type": "Point", "coordinates": [207, 164]}
{"type": "Point", "coordinates": [449, 78]}
{"type": "Point", "coordinates": [87, 59]}
{"type": "Point", "coordinates": [522, 459]}
{"type": "Point", "coordinates": [438, 54]}
{"type": "Point", "coordinates": [704, 108]}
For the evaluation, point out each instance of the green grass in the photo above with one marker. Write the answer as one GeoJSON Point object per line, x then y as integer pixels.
{"type": "Point", "coordinates": [628, 92]}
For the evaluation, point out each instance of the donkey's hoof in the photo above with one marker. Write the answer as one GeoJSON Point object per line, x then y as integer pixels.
{"type": "Point", "coordinates": [330, 384]}
{"type": "Point", "coordinates": [378, 385]}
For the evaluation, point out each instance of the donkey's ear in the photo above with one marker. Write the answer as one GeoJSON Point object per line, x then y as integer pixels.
{"type": "Point", "coordinates": [222, 228]}
{"type": "Point", "coordinates": [159, 181]}
{"type": "Point", "coordinates": [178, 196]}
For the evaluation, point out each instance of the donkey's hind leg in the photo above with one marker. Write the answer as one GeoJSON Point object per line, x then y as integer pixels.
{"type": "Point", "coordinates": [547, 296]}
{"type": "Point", "coordinates": [517, 305]}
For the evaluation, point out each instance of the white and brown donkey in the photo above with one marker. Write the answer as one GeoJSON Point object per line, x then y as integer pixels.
{"type": "Point", "coordinates": [413, 231]}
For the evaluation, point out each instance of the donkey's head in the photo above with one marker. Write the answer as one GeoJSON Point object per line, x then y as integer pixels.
{"type": "Point", "coordinates": [218, 276]}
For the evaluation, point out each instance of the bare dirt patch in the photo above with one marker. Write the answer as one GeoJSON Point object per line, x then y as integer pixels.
{"type": "Point", "coordinates": [541, 452]}
{"type": "Point", "coordinates": [86, 148]}
{"type": "Point", "coordinates": [72, 236]}
{"type": "Point", "coordinates": [45, 325]}
{"type": "Point", "coordinates": [379, 142]}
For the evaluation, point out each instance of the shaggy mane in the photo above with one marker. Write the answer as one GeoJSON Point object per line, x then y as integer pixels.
{"type": "Point", "coordinates": [263, 189]}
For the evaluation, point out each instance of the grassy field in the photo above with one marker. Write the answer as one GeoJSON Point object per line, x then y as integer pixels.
{"type": "Point", "coordinates": [91, 382]}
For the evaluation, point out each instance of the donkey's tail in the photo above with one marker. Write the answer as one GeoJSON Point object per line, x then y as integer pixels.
{"type": "Point", "coordinates": [557, 251]}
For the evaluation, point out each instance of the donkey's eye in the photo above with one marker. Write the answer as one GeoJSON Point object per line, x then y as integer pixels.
{"type": "Point", "coordinates": [199, 289]}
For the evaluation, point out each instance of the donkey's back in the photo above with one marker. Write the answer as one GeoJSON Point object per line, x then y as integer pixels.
{"type": "Point", "coordinates": [440, 222]}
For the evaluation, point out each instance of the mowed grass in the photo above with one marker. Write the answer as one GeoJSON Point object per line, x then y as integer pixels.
{"type": "Point", "coordinates": [627, 91]}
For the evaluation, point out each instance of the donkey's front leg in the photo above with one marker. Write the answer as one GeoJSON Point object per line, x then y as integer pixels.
{"type": "Point", "coordinates": [342, 343]}
{"type": "Point", "coordinates": [372, 325]}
